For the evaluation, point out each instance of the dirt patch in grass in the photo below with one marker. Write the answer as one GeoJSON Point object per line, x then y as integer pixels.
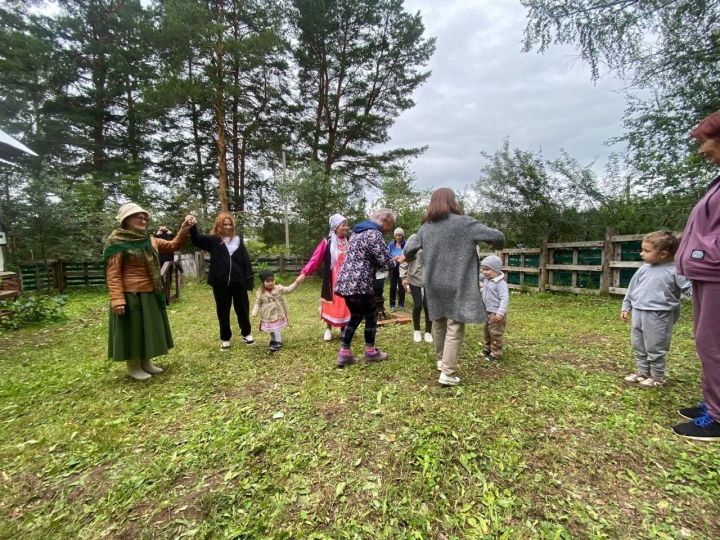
{"type": "Point", "coordinates": [91, 486]}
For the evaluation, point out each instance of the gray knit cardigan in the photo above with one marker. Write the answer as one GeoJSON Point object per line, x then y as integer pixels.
{"type": "Point", "coordinates": [452, 266]}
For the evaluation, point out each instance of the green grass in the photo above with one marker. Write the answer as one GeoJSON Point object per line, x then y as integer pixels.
{"type": "Point", "coordinates": [548, 444]}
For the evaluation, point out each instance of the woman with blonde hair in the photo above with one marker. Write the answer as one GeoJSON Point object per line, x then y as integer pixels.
{"type": "Point", "coordinates": [230, 275]}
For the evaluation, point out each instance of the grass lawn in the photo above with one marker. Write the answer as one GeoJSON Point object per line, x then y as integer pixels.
{"type": "Point", "coordinates": [245, 444]}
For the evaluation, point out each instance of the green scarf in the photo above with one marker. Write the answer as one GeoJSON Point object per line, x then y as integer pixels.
{"type": "Point", "coordinates": [139, 244]}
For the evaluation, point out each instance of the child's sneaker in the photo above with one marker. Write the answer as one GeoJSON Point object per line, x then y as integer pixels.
{"type": "Point", "coordinates": [417, 336]}
{"type": "Point", "coordinates": [651, 383]}
{"type": "Point", "coordinates": [224, 345]}
{"type": "Point", "coordinates": [344, 358]}
{"type": "Point", "coordinates": [248, 340]}
{"type": "Point", "coordinates": [691, 413]}
{"type": "Point", "coordinates": [703, 428]}
{"type": "Point", "coordinates": [275, 346]}
{"type": "Point", "coordinates": [327, 336]}
{"type": "Point", "coordinates": [634, 378]}
{"type": "Point", "coordinates": [375, 356]}
{"type": "Point", "coordinates": [428, 337]}
{"type": "Point", "coordinates": [448, 380]}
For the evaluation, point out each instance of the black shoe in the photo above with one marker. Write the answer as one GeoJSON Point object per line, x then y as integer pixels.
{"type": "Point", "coordinates": [691, 413]}
{"type": "Point", "coordinates": [274, 346]}
{"type": "Point", "coordinates": [703, 428]}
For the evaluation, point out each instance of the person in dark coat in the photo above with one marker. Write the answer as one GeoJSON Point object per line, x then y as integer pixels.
{"type": "Point", "coordinates": [230, 275]}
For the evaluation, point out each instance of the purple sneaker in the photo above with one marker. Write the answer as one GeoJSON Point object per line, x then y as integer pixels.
{"type": "Point", "coordinates": [376, 356]}
{"type": "Point", "coordinates": [344, 359]}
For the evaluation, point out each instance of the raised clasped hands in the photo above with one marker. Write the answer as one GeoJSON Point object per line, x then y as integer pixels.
{"type": "Point", "coordinates": [189, 221]}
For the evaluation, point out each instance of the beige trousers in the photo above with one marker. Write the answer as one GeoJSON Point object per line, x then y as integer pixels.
{"type": "Point", "coordinates": [448, 337]}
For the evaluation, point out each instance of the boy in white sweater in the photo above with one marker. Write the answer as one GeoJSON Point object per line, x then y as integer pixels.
{"type": "Point", "coordinates": [653, 296]}
{"type": "Point", "coordinates": [496, 296]}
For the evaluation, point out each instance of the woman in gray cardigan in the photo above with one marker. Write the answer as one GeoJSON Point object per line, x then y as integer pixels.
{"type": "Point", "coordinates": [448, 240]}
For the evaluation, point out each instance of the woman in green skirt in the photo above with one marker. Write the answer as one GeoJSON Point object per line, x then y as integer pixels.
{"type": "Point", "coordinates": [139, 328]}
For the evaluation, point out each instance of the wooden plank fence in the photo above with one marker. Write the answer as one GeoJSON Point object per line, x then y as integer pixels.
{"type": "Point", "coordinates": [584, 267]}
{"type": "Point", "coordinates": [587, 267]}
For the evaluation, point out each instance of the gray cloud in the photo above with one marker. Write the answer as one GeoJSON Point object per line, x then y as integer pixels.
{"type": "Point", "coordinates": [484, 89]}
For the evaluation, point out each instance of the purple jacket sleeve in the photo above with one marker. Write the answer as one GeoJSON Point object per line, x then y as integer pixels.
{"type": "Point", "coordinates": [380, 253]}
{"type": "Point", "coordinates": [316, 259]}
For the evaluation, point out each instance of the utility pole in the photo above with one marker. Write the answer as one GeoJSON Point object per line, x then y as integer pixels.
{"type": "Point", "coordinates": [287, 227]}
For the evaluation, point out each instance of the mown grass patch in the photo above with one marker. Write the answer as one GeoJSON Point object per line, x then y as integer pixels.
{"type": "Point", "coordinates": [547, 444]}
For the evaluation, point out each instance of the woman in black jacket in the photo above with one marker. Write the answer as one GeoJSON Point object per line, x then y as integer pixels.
{"type": "Point", "coordinates": [230, 275]}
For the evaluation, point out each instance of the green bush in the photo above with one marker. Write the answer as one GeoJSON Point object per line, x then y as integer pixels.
{"type": "Point", "coordinates": [31, 309]}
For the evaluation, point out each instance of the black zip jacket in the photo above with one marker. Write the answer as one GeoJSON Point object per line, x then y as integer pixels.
{"type": "Point", "coordinates": [224, 271]}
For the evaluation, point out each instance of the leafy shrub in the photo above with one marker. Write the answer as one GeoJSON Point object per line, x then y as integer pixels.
{"type": "Point", "coordinates": [31, 309]}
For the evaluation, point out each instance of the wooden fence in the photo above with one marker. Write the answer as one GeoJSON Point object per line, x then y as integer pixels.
{"type": "Point", "coordinates": [57, 274]}
{"type": "Point", "coordinates": [588, 267]}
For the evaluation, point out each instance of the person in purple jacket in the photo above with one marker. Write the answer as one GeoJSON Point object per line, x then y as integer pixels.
{"type": "Point", "coordinates": [366, 254]}
{"type": "Point", "coordinates": [698, 259]}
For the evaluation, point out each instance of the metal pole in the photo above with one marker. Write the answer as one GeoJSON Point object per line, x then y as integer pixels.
{"type": "Point", "coordinates": [287, 227]}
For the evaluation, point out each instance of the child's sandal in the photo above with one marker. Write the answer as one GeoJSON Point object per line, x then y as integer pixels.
{"type": "Point", "coordinates": [635, 378]}
{"type": "Point", "coordinates": [651, 383]}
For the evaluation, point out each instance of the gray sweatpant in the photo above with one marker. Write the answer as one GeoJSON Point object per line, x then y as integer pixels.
{"type": "Point", "coordinates": [650, 339]}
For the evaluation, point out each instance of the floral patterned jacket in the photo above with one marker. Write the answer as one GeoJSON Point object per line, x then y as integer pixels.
{"type": "Point", "coordinates": [366, 253]}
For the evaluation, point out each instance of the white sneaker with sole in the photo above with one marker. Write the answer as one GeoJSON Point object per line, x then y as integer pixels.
{"type": "Point", "coordinates": [224, 345]}
{"type": "Point", "coordinates": [448, 380]}
{"type": "Point", "coordinates": [439, 365]}
{"type": "Point", "coordinates": [417, 336]}
{"type": "Point", "coordinates": [248, 340]}
{"type": "Point", "coordinates": [428, 337]}
{"type": "Point", "coordinates": [327, 336]}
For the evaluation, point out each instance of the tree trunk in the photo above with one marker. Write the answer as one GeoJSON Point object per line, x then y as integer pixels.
{"type": "Point", "coordinates": [221, 140]}
{"type": "Point", "coordinates": [241, 176]}
{"type": "Point", "coordinates": [132, 121]}
{"type": "Point", "coordinates": [194, 115]}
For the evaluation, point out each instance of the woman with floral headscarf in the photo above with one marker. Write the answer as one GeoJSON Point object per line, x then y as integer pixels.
{"type": "Point", "coordinates": [139, 329]}
{"type": "Point", "coordinates": [330, 252]}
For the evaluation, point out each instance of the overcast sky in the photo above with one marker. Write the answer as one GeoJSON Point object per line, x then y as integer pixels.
{"type": "Point", "coordinates": [483, 89]}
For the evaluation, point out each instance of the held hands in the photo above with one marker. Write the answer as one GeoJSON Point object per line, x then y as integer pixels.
{"type": "Point", "coordinates": [300, 278]}
{"type": "Point", "coordinates": [624, 315]}
{"type": "Point", "coordinates": [119, 310]}
{"type": "Point", "coordinates": [399, 259]}
{"type": "Point", "coordinates": [189, 221]}
{"type": "Point", "coordinates": [496, 317]}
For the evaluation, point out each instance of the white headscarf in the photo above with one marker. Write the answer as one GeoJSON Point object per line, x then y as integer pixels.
{"type": "Point", "coordinates": [335, 221]}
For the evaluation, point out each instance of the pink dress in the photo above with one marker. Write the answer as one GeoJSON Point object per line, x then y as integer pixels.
{"type": "Point", "coordinates": [335, 313]}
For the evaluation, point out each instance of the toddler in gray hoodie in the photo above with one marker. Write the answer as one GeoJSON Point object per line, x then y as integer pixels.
{"type": "Point", "coordinates": [496, 296]}
{"type": "Point", "coordinates": [653, 296]}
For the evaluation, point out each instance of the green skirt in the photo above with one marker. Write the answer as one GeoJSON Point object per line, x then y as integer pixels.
{"type": "Point", "coordinates": [143, 332]}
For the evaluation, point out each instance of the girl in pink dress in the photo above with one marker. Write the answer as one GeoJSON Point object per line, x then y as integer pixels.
{"type": "Point", "coordinates": [330, 252]}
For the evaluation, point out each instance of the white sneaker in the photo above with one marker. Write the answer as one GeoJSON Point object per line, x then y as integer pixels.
{"type": "Point", "coordinates": [428, 337]}
{"type": "Point", "coordinates": [448, 380]}
{"type": "Point", "coordinates": [327, 336]}
{"type": "Point", "coordinates": [439, 365]}
{"type": "Point", "coordinates": [417, 336]}
{"type": "Point", "coordinates": [224, 345]}
{"type": "Point", "coordinates": [248, 340]}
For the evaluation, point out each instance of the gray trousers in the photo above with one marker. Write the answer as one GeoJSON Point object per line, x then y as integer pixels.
{"type": "Point", "coordinates": [650, 339]}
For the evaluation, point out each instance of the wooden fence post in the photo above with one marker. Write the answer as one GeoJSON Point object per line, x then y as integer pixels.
{"type": "Point", "coordinates": [281, 263]}
{"type": "Point", "coordinates": [544, 261]}
{"type": "Point", "coordinates": [608, 253]}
